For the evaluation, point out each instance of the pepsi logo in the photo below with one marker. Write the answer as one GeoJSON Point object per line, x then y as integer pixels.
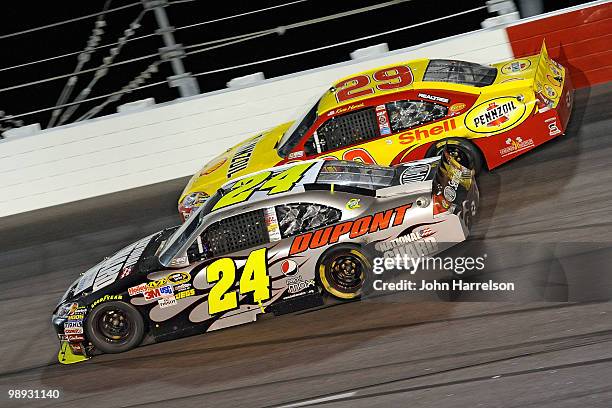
{"type": "Point", "coordinates": [289, 267]}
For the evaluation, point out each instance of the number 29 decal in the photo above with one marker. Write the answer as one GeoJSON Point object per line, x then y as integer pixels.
{"type": "Point", "coordinates": [254, 279]}
{"type": "Point", "coordinates": [386, 79]}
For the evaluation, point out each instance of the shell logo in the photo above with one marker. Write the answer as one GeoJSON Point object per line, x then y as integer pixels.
{"type": "Point", "coordinates": [495, 115]}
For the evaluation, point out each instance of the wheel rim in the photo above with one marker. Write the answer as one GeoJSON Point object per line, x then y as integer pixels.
{"type": "Point", "coordinates": [459, 154]}
{"type": "Point", "coordinates": [343, 274]}
{"type": "Point", "coordinates": [115, 326]}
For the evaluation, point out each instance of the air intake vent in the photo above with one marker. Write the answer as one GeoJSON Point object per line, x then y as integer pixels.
{"type": "Point", "coordinates": [235, 234]}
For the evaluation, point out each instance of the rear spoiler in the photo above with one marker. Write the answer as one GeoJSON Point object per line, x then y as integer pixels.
{"type": "Point", "coordinates": [547, 74]}
{"type": "Point", "coordinates": [451, 185]}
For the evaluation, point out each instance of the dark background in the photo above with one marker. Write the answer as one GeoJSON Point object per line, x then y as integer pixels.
{"type": "Point", "coordinates": [72, 37]}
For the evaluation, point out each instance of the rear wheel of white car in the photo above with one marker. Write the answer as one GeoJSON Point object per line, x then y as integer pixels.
{"type": "Point", "coordinates": [342, 272]}
{"type": "Point", "coordinates": [115, 327]}
{"type": "Point", "coordinates": [461, 150]}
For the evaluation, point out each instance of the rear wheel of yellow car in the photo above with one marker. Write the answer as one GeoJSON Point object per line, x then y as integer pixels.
{"type": "Point", "coordinates": [342, 272]}
{"type": "Point", "coordinates": [461, 150]}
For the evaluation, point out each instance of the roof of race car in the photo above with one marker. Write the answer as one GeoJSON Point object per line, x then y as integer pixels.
{"type": "Point", "coordinates": [372, 83]}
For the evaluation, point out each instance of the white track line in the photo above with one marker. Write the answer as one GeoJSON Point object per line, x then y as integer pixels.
{"type": "Point", "coordinates": [318, 400]}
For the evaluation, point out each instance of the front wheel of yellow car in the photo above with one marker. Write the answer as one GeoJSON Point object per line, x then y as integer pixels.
{"type": "Point", "coordinates": [115, 327]}
{"type": "Point", "coordinates": [342, 272]}
{"type": "Point", "coordinates": [461, 150]}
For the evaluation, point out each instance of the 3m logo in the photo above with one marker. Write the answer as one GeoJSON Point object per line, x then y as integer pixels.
{"type": "Point", "coordinates": [495, 115]}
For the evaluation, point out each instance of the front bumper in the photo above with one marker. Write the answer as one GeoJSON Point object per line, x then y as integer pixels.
{"type": "Point", "coordinates": [73, 345]}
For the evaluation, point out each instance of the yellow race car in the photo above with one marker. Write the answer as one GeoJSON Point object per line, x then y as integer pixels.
{"type": "Point", "coordinates": [485, 115]}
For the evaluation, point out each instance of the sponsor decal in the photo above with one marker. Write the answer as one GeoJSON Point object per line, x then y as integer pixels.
{"type": "Point", "coordinates": [433, 98]}
{"type": "Point", "coordinates": [450, 193]}
{"type": "Point", "coordinates": [137, 290]}
{"type": "Point", "coordinates": [76, 317]}
{"type": "Point", "coordinates": [515, 145]}
{"type": "Point", "coordinates": [344, 109]}
{"type": "Point", "coordinates": [353, 204]}
{"type": "Point", "coordinates": [556, 71]}
{"type": "Point", "coordinates": [415, 173]}
{"type": "Point", "coordinates": [361, 226]}
{"type": "Point", "coordinates": [426, 232]}
{"type": "Point", "coordinates": [154, 294]}
{"type": "Point", "coordinates": [516, 66]}
{"type": "Point", "coordinates": [126, 271]}
{"type": "Point", "coordinates": [182, 286]}
{"type": "Point", "coordinates": [166, 302]}
{"type": "Point", "coordinates": [73, 328]}
{"type": "Point", "coordinates": [296, 155]}
{"type": "Point", "coordinates": [71, 337]}
{"type": "Point", "coordinates": [425, 132]}
{"type": "Point", "coordinates": [298, 284]}
{"type": "Point", "coordinates": [553, 129]}
{"type": "Point", "coordinates": [289, 267]}
{"type": "Point", "coordinates": [213, 167]}
{"type": "Point", "coordinates": [553, 80]}
{"type": "Point", "coordinates": [380, 108]}
{"type": "Point", "coordinates": [456, 107]}
{"type": "Point", "coordinates": [272, 224]}
{"type": "Point", "coordinates": [495, 115]}
{"type": "Point", "coordinates": [77, 348]}
{"type": "Point", "coordinates": [550, 91]}
{"type": "Point", "coordinates": [383, 122]}
{"type": "Point", "coordinates": [174, 278]}
{"type": "Point", "coordinates": [74, 308]}
{"type": "Point", "coordinates": [413, 245]}
{"type": "Point", "coordinates": [240, 161]}
{"type": "Point", "coordinates": [106, 298]}
{"type": "Point", "coordinates": [184, 294]}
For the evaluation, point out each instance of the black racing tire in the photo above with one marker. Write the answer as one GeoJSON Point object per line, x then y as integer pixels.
{"type": "Point", "coordinates": [115, 327]}
{"type": "Point", "coordinates": [343, 270]}
{"type": "Point", "coordinates": [462, 150]}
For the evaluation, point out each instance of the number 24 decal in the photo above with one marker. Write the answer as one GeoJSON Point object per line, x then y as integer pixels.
{"type": "Point", "coordinates": [254, 279]}
{"type": "Point", "coordinates": [388, 78]}
{"type": "Point", "coordinates": [271, 182]}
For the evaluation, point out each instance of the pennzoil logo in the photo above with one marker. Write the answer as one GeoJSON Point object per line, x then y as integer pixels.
{"type": "Point", "coordinates": [495, 115]}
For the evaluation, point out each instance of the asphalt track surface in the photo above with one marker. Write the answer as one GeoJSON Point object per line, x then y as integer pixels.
{"type": "Point", "coordinates": [426, 354]}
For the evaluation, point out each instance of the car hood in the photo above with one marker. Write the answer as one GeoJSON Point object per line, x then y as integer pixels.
{"type": "Point", "coordinates": [254, 154]}
{"type": "Point", "coordinates": [128, 261]}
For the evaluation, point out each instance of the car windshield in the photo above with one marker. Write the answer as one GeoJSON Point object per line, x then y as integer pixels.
{"type": "Point", "coordinates": [181, 236]}
{"type": "Point", "coordinates": [297, 131]}
{"type": "Point", "coordinates": [355, 174]}
{"type": "Point", "coordinates": [460, 72]}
